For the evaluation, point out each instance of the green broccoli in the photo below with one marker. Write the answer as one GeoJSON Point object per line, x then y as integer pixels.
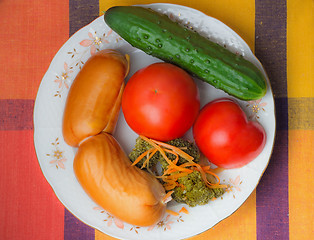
{"type": "Point", "coordinates": [186, 146]}
{"type": "Point", "coordinates": [193, 191]}
{"type": "Point", "coordinates": [142, 146]}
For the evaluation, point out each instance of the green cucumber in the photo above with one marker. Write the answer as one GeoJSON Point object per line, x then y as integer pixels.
{"type": "Point", "coordinates": [157, 35]}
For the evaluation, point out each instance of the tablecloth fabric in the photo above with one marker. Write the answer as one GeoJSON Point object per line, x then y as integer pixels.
{"type": "Point", "coordinates": [281, 34]}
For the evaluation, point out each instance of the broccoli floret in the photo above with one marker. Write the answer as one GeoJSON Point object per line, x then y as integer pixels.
{"type": "Point", "coordinates": [191, 188]}
{"type": "Point", "coordinates": [193, 191]}
{"type": "Point", "coordinates": [141, 146]}
{"type": "Point", "coordinates": [186, 146]}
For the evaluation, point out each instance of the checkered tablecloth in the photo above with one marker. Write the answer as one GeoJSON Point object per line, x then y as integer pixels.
{"type": "Point", "coordinates": [281, 33]}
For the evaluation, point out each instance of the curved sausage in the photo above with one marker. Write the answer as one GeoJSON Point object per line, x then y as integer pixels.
{"type": "Point", "coordinates": [127, 192]}
{"type": "Point", "coordinates": [94, 99]}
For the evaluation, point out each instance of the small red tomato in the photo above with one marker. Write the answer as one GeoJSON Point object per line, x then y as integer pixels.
{"type": "Point", "coordinates": [161, 101]}
{"type": "Point", "coordinates": [225, 136]}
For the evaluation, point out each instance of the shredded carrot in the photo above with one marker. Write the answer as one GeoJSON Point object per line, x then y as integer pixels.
{"type": "Point", "coordinates": [169, 187]}
{"type": "Point", "coordinates": [178, 175]}
{"type": "Point", "coordinates": [172, 165]}
{"type": "Point", "coordinates": [184, 210]}
{"type": "Point", "coordinates": [175, 149]}
{"type": "Point", "coordinates": [159, 149]}
{"type": "Point", "coordinates": [177, 156]}
{"type": "Point", "coordinates": [174, 172]}
{"type": "Point", "coordinates": [209, 184]}
{"type": "Point", "coordinates": [205, 168]}
{"type": "Point", "coordinates": [141, 156]}
{"type": "Point", "coordinates": [172, 212]}
{"type": "Point", "coordinates": [170, 170]}
{"type": "Point", "coordinates": [181, 186]}
{"type": "Point", "coordinates": [167, 197]}
{"type": "Point", "coordinates": [198, 167]}
{"type": "Point", "coordinates": [211, 173]}
{"type": "Point", "coordinates": [168, 180]}
{"type": "Point", "coordinates": [188, 164]}
{"type": "Point", "coordinates": [149, 157]}
{"type": "Point", "coordinates": [217, 170]}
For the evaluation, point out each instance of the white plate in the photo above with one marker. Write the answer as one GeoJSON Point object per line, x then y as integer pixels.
{"type": "Point", "coordinates": [56, 157]}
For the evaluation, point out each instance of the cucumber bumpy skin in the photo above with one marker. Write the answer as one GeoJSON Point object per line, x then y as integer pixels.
{"type": "Point", "coordinates": [157, 35]}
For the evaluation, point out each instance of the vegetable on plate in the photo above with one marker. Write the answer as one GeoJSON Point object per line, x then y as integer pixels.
{"type": "Point", "coordinates": [160, 101]}
{"type": "Point", "coordinates": [225, 136]}
{"type": "Point", "coordinates": [157, 35]}
{"type": "Point", "coordinates": [182, 175]}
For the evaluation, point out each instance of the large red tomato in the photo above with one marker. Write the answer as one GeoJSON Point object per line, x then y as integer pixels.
{"type": "Point", "coordinates": [225, 136]}
{"type": "Point", "coordinates": [160, 101]}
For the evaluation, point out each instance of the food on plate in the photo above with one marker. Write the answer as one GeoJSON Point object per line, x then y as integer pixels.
{"type": "Point", "coordinates": [129, 193]}
{"type": "Point", "coordinates": [193, 191]}
{"type": "Point", "coordinates": [181, 174]}
{"type": "Point", "coordinates": [142, 147]}
{"type": "Point", "coordinates": [225, 136]}
{"type": "Point", "coordinates": [94, 99]}
{"type": "Point", "coordinates": [160, 101]}
{"type": "Point", "coordinates": [159, 36]}
{"type": "Point", "coordinates": [100, 164]}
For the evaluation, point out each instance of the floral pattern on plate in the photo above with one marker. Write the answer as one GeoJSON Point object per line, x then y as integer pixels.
{"type": "Point", "coordinates": [56, 156]}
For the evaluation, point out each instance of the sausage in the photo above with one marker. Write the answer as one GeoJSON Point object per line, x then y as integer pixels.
{"type": "Point", "coordinates": [100, 164]}
{"type": "Point", "coordinates": [94, 99]}
{"type": "Point", "coordinates": [127, 192]}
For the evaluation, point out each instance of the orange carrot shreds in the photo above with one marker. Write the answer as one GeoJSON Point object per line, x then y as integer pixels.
{"type": "Point", "coordinates": [175, 149]}
{"type": "Point", "coordinates": [181, 186]}
{"type": "Point", "coordinates": [175, 161]}
{"type": "Point", "coordinates": [177, 175]}
{"type": "Point", "coordinates": [167, 197]}
{"type": "Point", "coordinates": [188, 164]}
{"type": "Point", "coordinates": [213, 174]}
{"type": "Point", "coordinates": [172, 165]}
{"type": "Point", "coordinates": [162, 152]}
{"type": "Point", "coordinates": [173, 171]}
{"type": "Point", "coordinates": [184, 210]}
{"type": "Point", "coordinates": [149, 157]}
{"type": "Point", "coordinates": [203, 170]}
{"type": "Point", "coordinates": [209, 184]}
{"type": "Point", "coordinates": [170, 170]}
{"type": "Point", "coordinates": [146, 153]}
{"type": "Point", "coordinates": [199, 168]}
{"type": "Point", "coordinates": [170, 186]}
{"type": "Point", "coordinates": [214, 185]}
{"type": "Point", "coordinates": [169, 181]}
{"type": "Point", "coordinates": [171, 212]}
{"type": "Point", "coordinates": [206, 168]}
{"type": "Point", "coordinates": [167, 173]}
{"type": "Point", "coordinates": [217, 170]}
{"type": "Point", "coordinates": [159, 149]}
